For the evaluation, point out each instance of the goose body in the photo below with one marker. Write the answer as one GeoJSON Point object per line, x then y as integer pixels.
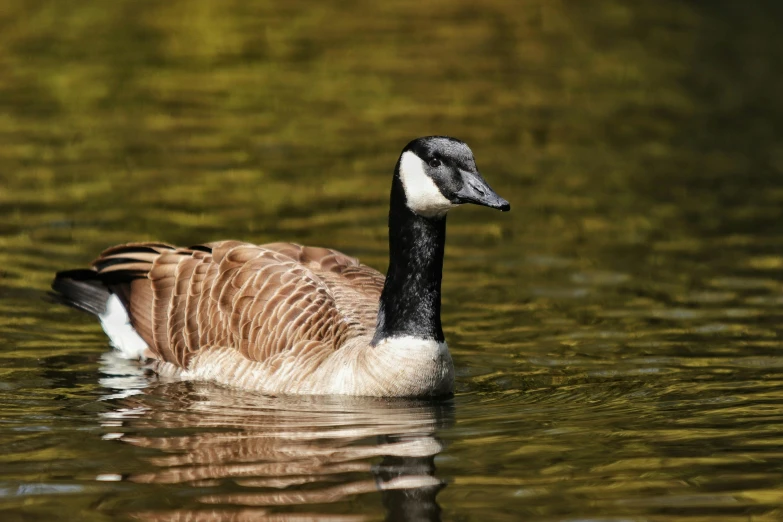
{"type": "Point", "coordinates": [282, 318]}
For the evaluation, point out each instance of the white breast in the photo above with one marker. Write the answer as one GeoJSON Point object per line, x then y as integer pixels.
{"type": "Point", "coordinates": [397, 367]}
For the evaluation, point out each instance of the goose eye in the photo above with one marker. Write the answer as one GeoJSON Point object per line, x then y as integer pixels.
{"type": "Point", "coordinates": [434, 163]}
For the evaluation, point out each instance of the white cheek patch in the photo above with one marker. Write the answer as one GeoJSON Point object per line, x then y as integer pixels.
{"type": "Point", "coordinates": [421, 193]}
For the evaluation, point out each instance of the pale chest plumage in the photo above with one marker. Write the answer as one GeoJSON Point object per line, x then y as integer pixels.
{"type": "Point", "coordinates": [403, 366]}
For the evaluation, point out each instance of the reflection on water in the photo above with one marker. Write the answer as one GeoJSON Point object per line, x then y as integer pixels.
{"type": "Point", "coordinates": [616, 336]}
{"type": "Point", "coordinates": [253, 452]}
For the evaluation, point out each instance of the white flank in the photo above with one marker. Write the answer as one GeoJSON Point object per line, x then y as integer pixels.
{"type": "Point", "coordinates": [403, 366]}
{"type": "Point", "coordinates": [116, 324]}
{"type": "Point", "coordinates": [423, 196]}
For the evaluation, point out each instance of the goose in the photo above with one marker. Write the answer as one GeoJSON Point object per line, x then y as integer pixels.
{"type": "Point", "coordinates": [282, 318]}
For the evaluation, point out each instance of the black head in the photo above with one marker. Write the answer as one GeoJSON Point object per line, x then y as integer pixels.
{"type": "Point", "coordinates": [438, 173]}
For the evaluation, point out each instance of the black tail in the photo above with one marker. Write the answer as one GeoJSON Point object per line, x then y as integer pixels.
{"type": "Point", "coordinates": [81, 289]}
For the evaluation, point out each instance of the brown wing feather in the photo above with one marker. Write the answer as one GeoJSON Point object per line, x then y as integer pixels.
{"type": "Point", "coordinates": [355, 288]}
{"type": "Point", "coordinates": [266, 301]}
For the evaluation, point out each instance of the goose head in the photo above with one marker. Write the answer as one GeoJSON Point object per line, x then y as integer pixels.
{"type": "Point", "coordinates": [437, 173]}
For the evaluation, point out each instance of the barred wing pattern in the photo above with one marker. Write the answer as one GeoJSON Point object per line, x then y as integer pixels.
{"type": "Point", "coordinates": [268, 302]}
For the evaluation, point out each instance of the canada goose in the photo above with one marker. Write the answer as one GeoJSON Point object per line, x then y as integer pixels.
{"type": "Point", "coordinates": [285, 318]}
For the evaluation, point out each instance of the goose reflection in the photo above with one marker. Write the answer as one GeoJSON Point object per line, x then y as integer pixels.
{"type": "Point", "coordinates": [257, 457]}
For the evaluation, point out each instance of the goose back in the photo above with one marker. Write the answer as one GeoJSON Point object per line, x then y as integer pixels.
{"type": "Point", "coordinates": [266, 302]}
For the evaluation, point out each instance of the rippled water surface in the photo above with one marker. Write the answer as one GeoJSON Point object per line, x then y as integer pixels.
{"type": "Point", "coordinates": [616, 336]}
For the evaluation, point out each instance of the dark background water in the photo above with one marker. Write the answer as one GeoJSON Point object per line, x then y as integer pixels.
{"type": "Point", "coordinates": [616, 335]}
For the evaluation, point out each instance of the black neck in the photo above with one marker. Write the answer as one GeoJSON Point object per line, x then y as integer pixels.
{"type": "Point", "coordinates": [410, 301]}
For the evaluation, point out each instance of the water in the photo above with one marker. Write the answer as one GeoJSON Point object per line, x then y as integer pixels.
{"type": "Point", "coordinates": [616, 335]}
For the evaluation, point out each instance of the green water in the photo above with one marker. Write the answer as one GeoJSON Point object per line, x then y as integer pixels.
{"type": "Point", "coordinates": [616, 336]}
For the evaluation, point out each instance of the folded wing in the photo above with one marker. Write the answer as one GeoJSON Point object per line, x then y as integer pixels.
{"type": "Point", "coordinates": [263, 300]}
